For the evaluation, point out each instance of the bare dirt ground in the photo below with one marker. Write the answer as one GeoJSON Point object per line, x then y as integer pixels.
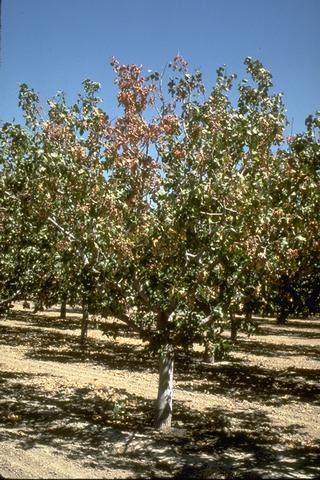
{"type": "Point", "coordinates": [69, 413]}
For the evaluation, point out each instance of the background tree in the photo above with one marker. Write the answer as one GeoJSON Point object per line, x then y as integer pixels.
{"type": "Point", "coordinates": [294, 288]}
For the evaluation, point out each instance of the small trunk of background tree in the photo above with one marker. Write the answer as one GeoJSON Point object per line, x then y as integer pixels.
{"type": "Point", "coordinates": [282, 317]}
{"type": "Point", "coordinates": [26, 304]}
{"type": "Point", "coordinates": [234, 324]}
{"type": "Point", "coordinates": [165, 391]}
{"type": "Point", "coordinates": [84, 322]}
{"type": "Point", "coordinates": [208, 354]}
{"type": "Point", "coordinates": [248, 316]}
{"type": "Point", "coordinates": [63, 309]}
{"type": "Point", "coordinates": [38, 306]}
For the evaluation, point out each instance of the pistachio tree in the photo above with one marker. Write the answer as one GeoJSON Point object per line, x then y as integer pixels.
{"type": "Point", "coordinates": [293, 233]}
{"type": "Point", "coordinates": [193, 242]}
{"type": "Point", "coordinates": [53, 194]}
{"type": "Point", "coordinates": [170, 217]}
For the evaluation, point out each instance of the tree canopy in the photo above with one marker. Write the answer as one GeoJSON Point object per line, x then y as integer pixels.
{"type": "Point", "coordinates": [184, 209]}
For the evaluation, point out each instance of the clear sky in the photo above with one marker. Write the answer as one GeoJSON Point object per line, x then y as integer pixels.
{"type": "Point", "coordinates": [55, 44]}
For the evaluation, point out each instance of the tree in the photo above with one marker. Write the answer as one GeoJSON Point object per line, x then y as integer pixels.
{"type": "Point", "coordinates": [189, 258]}
{"type": "Point", "coordinates": [166, 218]}
{"type": "Point", "coordinates": [295, 287]}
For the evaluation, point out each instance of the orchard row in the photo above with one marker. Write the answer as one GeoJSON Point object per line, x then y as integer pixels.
{"type": "Point", "coordinates": [185, 210]}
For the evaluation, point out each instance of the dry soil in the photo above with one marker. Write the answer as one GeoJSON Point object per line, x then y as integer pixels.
{"type": "Point", "coordinates": [66, 412]}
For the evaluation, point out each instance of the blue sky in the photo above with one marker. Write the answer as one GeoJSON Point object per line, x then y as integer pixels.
{"type": "Point", "coordinates": [55, 44]}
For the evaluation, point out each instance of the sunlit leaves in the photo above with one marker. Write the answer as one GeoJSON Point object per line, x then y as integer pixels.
{"type": "Point", "coordinates": [180, 207]}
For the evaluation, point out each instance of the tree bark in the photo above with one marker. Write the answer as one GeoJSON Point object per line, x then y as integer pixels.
{"type": "Point", "coordinates": [282, 317]}
{"type": "Point", "coordinates": [38, 306]}
{"type": "Point", "coordinates": [208, 354]}
{"type": "Point", "coordinates": [26, 304]}
{"type": "Point", "coordinates": [234, 327]}
{"type": "Point", "coordinates": [165, 391]}
{"type": "Point", "coordinates": [84, 323]}
{"type": "Point", "coordinates": [63, 309]}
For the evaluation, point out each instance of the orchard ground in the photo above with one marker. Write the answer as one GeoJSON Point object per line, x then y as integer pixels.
{"type": "Point", "coordinates": [70, 413]}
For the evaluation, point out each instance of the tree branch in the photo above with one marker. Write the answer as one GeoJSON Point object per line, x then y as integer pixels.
{"type": "Point", "coordinates": [10, 299]}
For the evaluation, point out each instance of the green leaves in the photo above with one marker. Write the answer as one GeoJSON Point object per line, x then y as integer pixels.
{"type": "Point", "coordinates": [166, 214]}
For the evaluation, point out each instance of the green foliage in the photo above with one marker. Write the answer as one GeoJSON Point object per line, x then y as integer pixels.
{"type": "Point", "coordinates": [221, 349]}
{"type": "Point", "coordinates": [183, 208]}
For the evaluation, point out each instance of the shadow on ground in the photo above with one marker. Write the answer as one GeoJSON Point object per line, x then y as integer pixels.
{"type": "Point", "coordinates": [49, 342]}
{"type": "Point", "coordinates": [268, 349]}
{"type": "Point", "coordinates": [253, 383]}
{"type": "Point", "coordinates": [71, 322]}
{"type": "Point", "coordinates": [110, 428]}
{"type": "Point", "coordinates": [107, 428]}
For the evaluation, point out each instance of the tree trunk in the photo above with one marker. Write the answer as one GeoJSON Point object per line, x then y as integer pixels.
{"type": "Point", "coordinates": [38, 306]}
{"type": "Point", "coordinates": [208, 354]}
{"type": "Point", "coordinates": [234, 327]}
{"type": "Point", "coordinates": [26, 304]}
{"type": "Point", "coordinates": [84, 323]}
{"type": "Point", "coordinates": [282, 317]}
{"type": "Point", "coordinates": [63, 309]}
{"type": "Point", "coordinates": [164, 400]}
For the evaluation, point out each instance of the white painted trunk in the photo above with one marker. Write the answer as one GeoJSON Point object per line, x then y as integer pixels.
{"type": "Point", "coordinates": [208, 354]}
{"type": "Point", "coordinates": [165, 391]}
